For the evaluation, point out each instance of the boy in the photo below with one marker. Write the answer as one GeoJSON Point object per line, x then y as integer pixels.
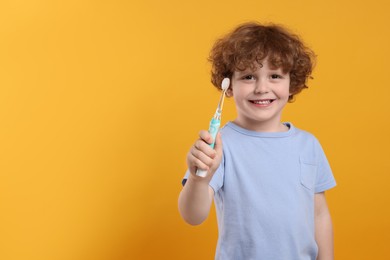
{"type": "Point", "coordinates": [267, 178]}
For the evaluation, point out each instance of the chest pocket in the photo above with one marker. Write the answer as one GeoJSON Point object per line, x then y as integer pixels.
{"type": "Point", "coordinates": [308, 173]}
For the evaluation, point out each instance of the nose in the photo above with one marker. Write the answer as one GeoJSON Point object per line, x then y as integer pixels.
{"type": "Point", "coordinates": [261, 87]}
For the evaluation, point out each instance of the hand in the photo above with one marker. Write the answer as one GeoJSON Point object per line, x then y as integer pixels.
{"type": "Point", "coordinates": [202, 156]}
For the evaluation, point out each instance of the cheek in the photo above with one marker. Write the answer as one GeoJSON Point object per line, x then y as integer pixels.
{"type": "Point", "coordinates": [286, 90]}
{"type": "Point", "coordinates": [237, 94]}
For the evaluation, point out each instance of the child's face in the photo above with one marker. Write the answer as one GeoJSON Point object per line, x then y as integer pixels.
{"type": "Point", "coordinates": [260, 97]}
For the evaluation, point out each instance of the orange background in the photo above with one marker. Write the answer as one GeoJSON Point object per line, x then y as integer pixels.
{"type": "Point", "coordinates": [100, 101]}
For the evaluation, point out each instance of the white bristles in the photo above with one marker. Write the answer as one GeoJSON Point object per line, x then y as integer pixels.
{"type": "Point", "coordinates": [225, 84]}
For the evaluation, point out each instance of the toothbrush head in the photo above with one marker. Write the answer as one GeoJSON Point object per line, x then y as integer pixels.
{"type": "Point", "coordinates": [225, 84]}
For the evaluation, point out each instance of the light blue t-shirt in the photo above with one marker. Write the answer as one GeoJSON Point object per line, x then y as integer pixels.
{"type": "Point", "coordinates": [264, 194]}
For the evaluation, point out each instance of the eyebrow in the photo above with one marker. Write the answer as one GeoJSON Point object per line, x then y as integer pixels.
{"type": "Point", "coordinates": [248, 71]}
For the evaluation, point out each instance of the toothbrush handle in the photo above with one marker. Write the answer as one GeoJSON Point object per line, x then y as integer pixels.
{"type": "Point", "coordinates": [213, 130]}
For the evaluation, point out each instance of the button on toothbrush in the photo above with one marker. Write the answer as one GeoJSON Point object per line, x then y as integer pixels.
{"type": "Point", "coordinates": [216, 121]}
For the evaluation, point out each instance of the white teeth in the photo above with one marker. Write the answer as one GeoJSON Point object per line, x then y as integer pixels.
{"type": "Point", "coordinates": [262, 102]}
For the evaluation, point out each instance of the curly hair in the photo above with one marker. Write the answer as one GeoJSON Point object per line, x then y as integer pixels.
{"type": "Point", "coordinates": [251, 43]}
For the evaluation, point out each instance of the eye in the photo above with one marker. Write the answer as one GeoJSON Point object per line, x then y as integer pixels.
{"type": "Point", "coordinates": [248, 77]}
{"type": "Point", "coordinates": [276, 76]}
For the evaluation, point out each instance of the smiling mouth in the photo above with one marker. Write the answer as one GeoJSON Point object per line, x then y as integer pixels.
{"type": "Point", "coordinates": [263, 102]}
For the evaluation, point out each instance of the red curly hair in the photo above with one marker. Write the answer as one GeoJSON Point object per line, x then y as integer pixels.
{"type": "Point", "coordinates": [251, 43]}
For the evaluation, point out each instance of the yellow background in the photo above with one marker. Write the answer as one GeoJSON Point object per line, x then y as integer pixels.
{"type": "Point", "coordinates": [100, 101]}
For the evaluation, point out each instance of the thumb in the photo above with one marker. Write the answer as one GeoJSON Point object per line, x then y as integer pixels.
{"type": "Point", "coordinates": [218, 144]}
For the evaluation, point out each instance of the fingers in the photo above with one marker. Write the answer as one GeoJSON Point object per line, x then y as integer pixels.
{"type": "Point", "coordinates": [202, 156]}
{"type": "Point", "coordinates": [206, 136]}
{"type": "Point", "coordinates": [203, 144]}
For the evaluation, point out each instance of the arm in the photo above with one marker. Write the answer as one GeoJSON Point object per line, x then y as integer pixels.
{"type": "Point", "coordinates": [196, 197]}
{"type": "Point", "coordinates": [323, 228]}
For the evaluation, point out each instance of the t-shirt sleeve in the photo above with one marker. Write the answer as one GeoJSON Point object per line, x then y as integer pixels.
{"type": "Point", "coordinates": [325, 179]}
{"type": "Point", "coordinates": [216, 182]}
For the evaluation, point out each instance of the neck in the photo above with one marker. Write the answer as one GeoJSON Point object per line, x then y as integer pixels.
{"type": "Point", "coordinates": [262, 126]}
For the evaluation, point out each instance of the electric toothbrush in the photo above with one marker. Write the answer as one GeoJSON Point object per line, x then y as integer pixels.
{"type": "Point", "coordinates": [216, 120]}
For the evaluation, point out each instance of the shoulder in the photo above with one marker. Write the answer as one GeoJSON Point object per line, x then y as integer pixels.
{"type": "Point", "coordinates": [302, 132]}
{"type": "Point", "coordinates": [309, 144]}
{"type": "Point", "coordinates": [305, 135]}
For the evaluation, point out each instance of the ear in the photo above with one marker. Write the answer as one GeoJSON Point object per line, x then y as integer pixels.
{"type": "Point", "coordinates": [229, 92]}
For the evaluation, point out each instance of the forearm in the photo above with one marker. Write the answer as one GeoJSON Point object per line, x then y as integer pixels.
{"type": "Point", "coordinates": [196, 196]}
{"type": "Point", "coordinates": [324, 234]}
{"type": "Point", "coordinates": [195, 200]}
